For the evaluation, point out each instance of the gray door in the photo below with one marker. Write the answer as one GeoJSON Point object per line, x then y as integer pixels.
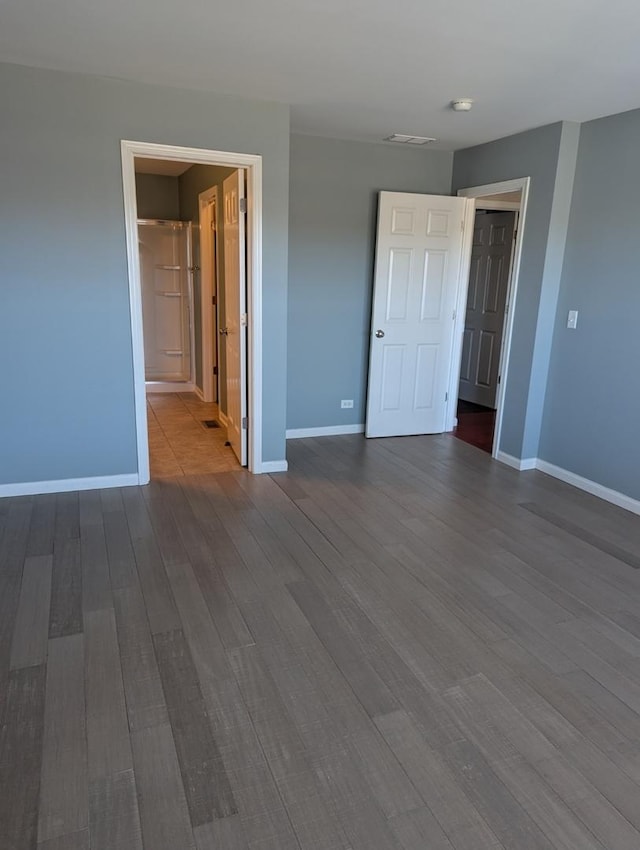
{"type": "Point", "coordinates": [488, 282]}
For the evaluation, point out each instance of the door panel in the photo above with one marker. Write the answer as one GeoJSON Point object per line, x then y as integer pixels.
{"type": "Point", "coordinates": [486, 300]}
{"type": "Point", "coordinates": [418, 256]}
{"type": "Point", "coordinates": [234, 330]}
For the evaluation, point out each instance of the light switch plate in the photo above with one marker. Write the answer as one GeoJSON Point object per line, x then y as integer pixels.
{"type": "Point", "coordinates": [572, 319]}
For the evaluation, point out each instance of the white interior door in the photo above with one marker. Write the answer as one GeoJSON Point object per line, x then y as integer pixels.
{"type": "Point", "coordinates": [417, 271]}
{"type": "Point", "coordinates": [166, 300]}
{"type": "Point", "coordinates": [486, 301]}
{"type": "Point", "coordinates": [209, 295]}
{"type": "Point", "coordinates": [234, 329]}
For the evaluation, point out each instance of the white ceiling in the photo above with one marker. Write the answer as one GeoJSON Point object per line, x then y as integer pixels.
{"type": "Point", "coordinates": [357, 69]}
{"type": "Point", "coordinates": [165, 167]}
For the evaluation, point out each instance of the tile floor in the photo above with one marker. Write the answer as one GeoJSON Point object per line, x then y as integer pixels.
{"type": "Point", "coordinates": [179, 443]}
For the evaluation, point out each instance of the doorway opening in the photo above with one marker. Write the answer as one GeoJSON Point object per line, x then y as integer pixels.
{"type": "Point", "coordinates": [423, 356]}
{"type": "Point", "coordinates": [193, 244]}
{"type": "Point", "coordinates": [491, 252]}
{"type": "Point", "coordinates": [495, 250]}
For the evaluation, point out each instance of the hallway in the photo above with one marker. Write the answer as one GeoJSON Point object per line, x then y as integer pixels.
{"type": "Point", "coordinates": [179, 442]}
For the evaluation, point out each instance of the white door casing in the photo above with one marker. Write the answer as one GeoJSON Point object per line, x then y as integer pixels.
{"type": "Point", "coordinates": [478, 193]}
{"type": "Point", "coordinates": [233, 331]}
{"type": "Point", "coordinates": [486, 303]}
{"type": "Point", "coordinates": [252, 165]}
{"type": "Point", "coordinates": [418, 263]}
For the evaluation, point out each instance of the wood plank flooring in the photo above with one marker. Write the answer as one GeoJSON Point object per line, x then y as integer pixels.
{"type": "Point", "coordinates": [398, 645]}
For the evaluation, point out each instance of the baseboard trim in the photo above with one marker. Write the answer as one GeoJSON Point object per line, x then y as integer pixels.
{"type": "Point", "coordinates": [66, 485]}
{"type": "Point", "coordinates": [325, 431]}
{"type": "Point", "coordinates": [589, 486]}
{"type": "Point", "coordinates": [170, 386]}
{"type": "Point", "coordinates": [269, 466]}
{"type": "Point", "coordinates": [521, 464]}
{"type": "Point", "coordinates": [198, 392]}
{"type": "Point", "coordinates": [224, 421]}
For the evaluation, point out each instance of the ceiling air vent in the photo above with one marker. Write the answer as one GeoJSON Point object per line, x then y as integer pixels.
{"type": "Point", "coordinates": [409, 140]}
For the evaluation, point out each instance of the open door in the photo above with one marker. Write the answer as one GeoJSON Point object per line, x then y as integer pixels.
{"type": "Point", "coordinates": [234, 329]}
{"type": "Point", "coordinates": [417, 273]}
{"type": "Point", "coordinates": [493, 235]}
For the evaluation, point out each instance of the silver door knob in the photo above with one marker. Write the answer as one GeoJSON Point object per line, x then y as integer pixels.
{"type": "Point", "coordinates": [379, 334]}
{"type": "Point", "coordinates": [224, 331]}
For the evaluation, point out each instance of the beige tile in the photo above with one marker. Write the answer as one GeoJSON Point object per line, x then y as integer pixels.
{"type": "Point", "coordinates": [179, 444]}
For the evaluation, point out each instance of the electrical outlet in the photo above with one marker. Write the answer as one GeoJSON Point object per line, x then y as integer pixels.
{"type": "Point", "coordinates": [346, 403]}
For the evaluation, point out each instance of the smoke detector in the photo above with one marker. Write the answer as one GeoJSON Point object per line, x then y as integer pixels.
{"type": "Point", "coordinates": [409, 140]}
{"type": "Point", "coordinates": [462, 104]}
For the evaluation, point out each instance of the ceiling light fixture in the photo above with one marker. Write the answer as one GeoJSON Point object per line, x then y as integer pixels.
{"type": "Point", "coordinates": [409, 140]}
{"type": "Point", "coordinates": [462, 104]}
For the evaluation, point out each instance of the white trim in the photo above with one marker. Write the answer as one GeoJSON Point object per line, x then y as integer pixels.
{"type": "Point", "coordinates": [521, 464]}
{"type": "Point", "coordinates": [269, 466]}
{"type": "Point", "coordinates": [224, 421]}
{"type": "Point", "coordinates": [498, 205]}
{"type": "Point", "coordinates": [503, 187]}
{"type": "Point", "coordinates": [66, 485]}
{"type": "Point", "coordinates": [198, 392]}
{"type": "Point", "coordinates": [519, 184]}
{"type": "Point", "coordinates": [462, 286]}
{"type": "Point", "coordinates": [599, 490]}
{"type": "Point", "coordinates": [324, 431]}
{"type": "Point", "coordinates": [621, 500]}
{"type": "Point", "coordinates": [253, 164]}
{"type": "Point", "coordinates": [208, 273]}
{"type": "Point", "coordinates": [170, 386]}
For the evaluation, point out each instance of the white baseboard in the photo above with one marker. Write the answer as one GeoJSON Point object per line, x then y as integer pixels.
{"type": "Point", "coordinates": [198, 392]}
{"type": "Point", "coordinates": [521, 464]}
{"type": "Point", "coordinates": [66, 485]}
{"type": "Point", "coordinates": [224, 421]}
{"type": "Point", "coordinates": [599, 490]}
{"type": "Point", "coordinates": [170, 386]}
{"type": "Point", "coordinates": [269, 466]}
{"type": "Point", "coordinates": [325, 431]}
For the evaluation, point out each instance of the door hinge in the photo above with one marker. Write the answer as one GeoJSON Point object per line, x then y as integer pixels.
{"type": "Point", "coordinates": [215, 370]}
{"type": "Point", "coordinates": [245, 422]}
{"type": "Point", "coordinates": [454, 316]}
{"type": "Point", "coordinates": [213, 226]}
{"type": "Point", "coordinates": [243, 320]}
{"type": "Point", "coordinates": [242, 205]}
{"type": "Point", "coordinates": [499, 378]}
{"type": "Point", "coordinates": [446, 396]}
{"type": "Point", "coordinates": [213, 299]}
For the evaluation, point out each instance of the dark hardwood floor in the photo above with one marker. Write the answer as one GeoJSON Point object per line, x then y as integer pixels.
{"type": "Point", "coordinates": [398, 645]}
{"type": "Point", "coordinates": [476, 425]}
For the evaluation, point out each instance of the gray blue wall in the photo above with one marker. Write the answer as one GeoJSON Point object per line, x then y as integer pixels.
{"type": "Point", "coordinates": [592, 410]}
{"type": "Point", "coordinates": [157, 196]}
{"type": "Point", "coordinates": [67, 400]}
{"type": "Point", "coordinates": [533, 154]}
{"type": "Point", "coordinates": [332, 222]}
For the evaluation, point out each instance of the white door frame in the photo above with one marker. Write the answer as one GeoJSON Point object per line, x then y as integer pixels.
{"type": "Point", "coordinates": [477, 192]}
{"type": "Point", "coordinates": [253, 165]}
{"type": "Point", "coordinates": [208, 271]}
